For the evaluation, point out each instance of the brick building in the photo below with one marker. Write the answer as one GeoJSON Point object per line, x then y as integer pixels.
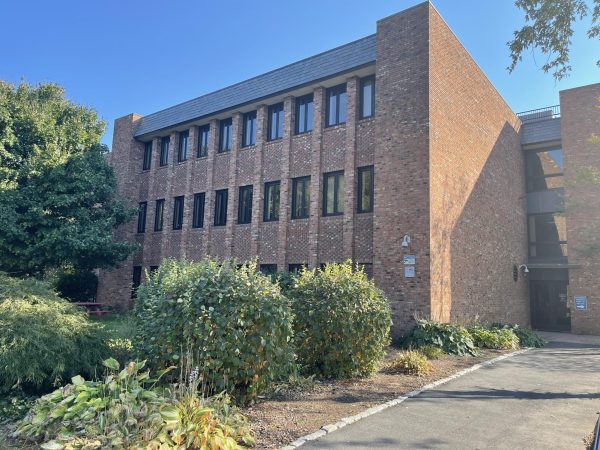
{"type": "Point", "coordinates": [394, 151]}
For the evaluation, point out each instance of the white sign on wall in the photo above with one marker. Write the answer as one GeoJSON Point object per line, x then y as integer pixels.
{"type": "Point", "coordinates": [409, 271]}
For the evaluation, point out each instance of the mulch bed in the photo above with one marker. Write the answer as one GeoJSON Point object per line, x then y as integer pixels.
{"type": "Point", "coordinates": [287, 416]}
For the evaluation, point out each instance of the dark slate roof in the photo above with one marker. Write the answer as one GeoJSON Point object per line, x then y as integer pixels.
{"type": "Point", "coordinates": [309, 70]}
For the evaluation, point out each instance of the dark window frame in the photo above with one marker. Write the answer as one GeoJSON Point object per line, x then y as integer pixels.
{"type": "Point", "coordinates": [136, 280]}
{"type": "Point", "coordinates": [159, 218]}
{"type": "Point", "coordinates": [245, 204]}
{"type": "Point", "coordinates": [165, 143]}
{"type": "Point", "coordinates": [268, 214]}
{"type": "Point", "coordinates": [303, 103]}
{"type": "Point", "coordinates": [225, 144]}
{"type": "Point", "coordinates": [142, 211]}
{"type": "Point", "coordinates": [337, 92]}
{"type": "Point", "coordinates": [533, 181]}
{"type": "Point", "coordinates": [202, 150]}
{"type": "Point", "coordinates": [147, 160]}
{"type": "Point", "coordinates": [537, 244]}
{"type": "Point", "coordinates": [268, 269]}
{"type": "Point", "coordinates": [296, 267]}
{"type": "Point", "coordinates": [305, 197]}
{"type": "Point", "coordinates": [336, 193]}
{"type": "Point", "coordinates": [363, 83]}
{"type": "Point", "coordinates": [278, 109]}
{"type": "Point", "coordinates": [198, 210]}
{"type": "Point", "coordinates": [221, 201]}
{"type": "Point", "coordinates": [178, 209]}
{"type": "Point", "coordinates": [359, 205]}
{"type": "Point", "coordinates": [182, 146]}
{"type": "Point", "coordinates": [249, 120]}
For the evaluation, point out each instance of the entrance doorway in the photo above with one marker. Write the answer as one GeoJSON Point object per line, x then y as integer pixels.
{"type": "Point", "coordinates": [549, 307]}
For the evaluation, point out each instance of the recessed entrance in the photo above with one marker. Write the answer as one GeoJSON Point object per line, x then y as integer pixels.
{"type": "Point", "coordinates": [549, 305]}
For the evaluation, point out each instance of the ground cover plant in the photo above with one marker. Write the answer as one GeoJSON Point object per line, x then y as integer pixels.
{"type": "Point", "coordinates": [499, 338]}
{"type": "Point", "coordinates": [453, 339]}
{"type": "Point", "coordinates": [527, 337]}
{"type": "Point", "coordinates": [411, 362]}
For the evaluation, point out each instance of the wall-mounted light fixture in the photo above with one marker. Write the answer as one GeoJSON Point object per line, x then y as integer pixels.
{"type": "Point", "coordinates": [406, 241]}
{"type": "Point", "coordinates": [523, 268]}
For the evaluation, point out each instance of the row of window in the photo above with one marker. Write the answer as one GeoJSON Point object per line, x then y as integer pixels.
{"type": "Point", "coordinates": [335, 115]}
{"type": "Point", "coordinates": [333, 201]}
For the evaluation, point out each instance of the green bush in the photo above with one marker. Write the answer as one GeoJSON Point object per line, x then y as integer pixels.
{"type": "Point", "coordinates": [77, 286]}
{"type": "Point", "coordinates": [410, 362]}
{"type": "Point", "coordinates": [431, 351]}
{"type": "Point", "coordinates": [453, 339]}
{"type": "Point", "coordinates": [527, 337]}
{"type": "Point", "coordinates": [233, 322]}
{"type": "Point", "coordinates": [14, 406]}
{"type": "Point", "coordinates": [495, 338]}
{"type": "Point", "coordinates": [342, 321]}
{"type": "Point", "coordinates": [43, 338]}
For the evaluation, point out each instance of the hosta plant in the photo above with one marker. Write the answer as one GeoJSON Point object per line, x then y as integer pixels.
{"type": "Point", "coordinates": [527, 337]}
{"type": "Point", "coordinates": [495, 338]}
{"type": "Point", "coordinates": [453, 339]}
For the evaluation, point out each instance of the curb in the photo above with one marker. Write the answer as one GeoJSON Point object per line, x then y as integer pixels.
{"type": "Point", "coordinates": [326, 429]}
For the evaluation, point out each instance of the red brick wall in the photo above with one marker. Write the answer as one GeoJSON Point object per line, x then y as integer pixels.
{"type": "Point", "coordinates": [477, 204]}
{"type": "Point", "coordinates": [580, 118]}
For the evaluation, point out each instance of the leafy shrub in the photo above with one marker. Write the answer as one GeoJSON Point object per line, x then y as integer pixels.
{"type": "Point", "coordinates": [431, 351]}
{"type": "Point", "coordinates": [14, 405]}
{"type": "Point", "coordinates": [77, 286]}
{"type": "Point", "coordinates": [527, 337]}
{"type": "Point", "coordinates": [496, 338]}
{"type": "Point", "coordinates": [286, 280]}
{"type": "Point", "coordinates": [42, 337]}
{"type": "Point", "coordinates": [452, 339]}
{"type": "Point", "coordinates": [127, 410]}
{"type": "Point", "coordinates": [410, 362]}
{"type": "Point", "coordinates": [342, 321]}
{"type": "Point", "coordinates": [234, 321]}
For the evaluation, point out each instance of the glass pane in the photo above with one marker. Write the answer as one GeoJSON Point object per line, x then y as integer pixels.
{"type": "Point", "coordinates": [331, 118]}
{"type": "Point", "coordinates": [340, 194]}
{"type": "Point", "coordinates": [275, 202]}
{"type": "Point", "coordinates": [342, 106]}
{"type": "Point", "coordinates": [367, 98]}
{"type": "Point", "coordinates": [280, 124]}
{"type": "Point", "coordinates": [329, 201]}
{"type": "Point", "coordinates": [301, 119]}
{"type": "Point", "coordinates": [309, 116]}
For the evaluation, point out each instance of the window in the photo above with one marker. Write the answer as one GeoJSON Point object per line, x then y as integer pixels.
{"type": "Point", "coordinates": [203, 133]}
{"type": "Point", "coordinates": [547, 236]}
{"type": "Point", "coordinates": [147, 155]}
{"type": "Point", "coordinates": [296, 267]}
{"type": "Point", "coordinates": [178, 213]}
{"type": "Point", "coordinates": [367, 97]}
{"type": "Point", "coordinates": [183, 146]}
{"type": "Point", "coordinates": [221, 207]}
{"type": "Point", "coordinates": [225, 135]}
{"type": "Point", "coordinates": [304, 114]}
{"type": "Point", "coordinates": [333, 193]}
{"type": "Point", "coordinates": [164, 150]}
{"type": "Point", "coordinates": [249, 137]}
{"type": "Point", "coordinates": [300, 197]}
{"type": "Point", "coordinates": [268, 269]}
{"type": "Point", "coordinates": [142, 217]}
{"type": "Point", "coordinates": [275, 121]}
{"type": "Point", "coordinates": [544, 169]}
{"type": "Point", "coordinates": [136, 280]}
{"type": "Point", "coordinates": [365, 189]}
{"type": "Point", "coordinates": [367, 269]}
{"type": "Point", "coordinates": [159, 215]}
{"type": "Point", "coordinates": [198, 212]}
{"type": "Point", "coordinates": [245, 204]}
{"type": "Point", "coordinates": [271, 207]}
{"type": "Point", "coordinates": [336, 105]}
{"type": "Point", "coordinates": [153, 269]}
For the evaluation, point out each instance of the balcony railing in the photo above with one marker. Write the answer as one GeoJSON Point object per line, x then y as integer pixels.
{"type": "Point", "coordinates": [536, 115]}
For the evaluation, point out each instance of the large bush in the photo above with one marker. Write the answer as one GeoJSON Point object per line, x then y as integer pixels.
{"type": "Point", "coordinates": [453, 339]}
{"type": "Point", "coordinates": [43, 337]}
{"type": "Point", "coordinates": [495, 338]}
{"type": "Point", "coordinates": [233, 322]}
{"type": "Point", "coordinates": [342, 321]}
{"type": "Point", "coordinates": [80, 286]}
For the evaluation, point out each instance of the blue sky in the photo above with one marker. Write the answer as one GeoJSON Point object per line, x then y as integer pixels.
{"type": "Point", "coordinates": [122, 56]}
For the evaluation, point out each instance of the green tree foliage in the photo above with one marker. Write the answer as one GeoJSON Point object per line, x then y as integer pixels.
{"type": "Point", "coordinates": [58, 203]}
{"type": "Point", "coordinates": [342, 321]}
{"type": "Point", "coordinates": [549, 28]}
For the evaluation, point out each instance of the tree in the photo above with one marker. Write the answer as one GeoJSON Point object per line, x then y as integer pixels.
{"type": "Point", "coordinates": [549, 27]}
{"type": "Point", "coordinates": [58, 196]}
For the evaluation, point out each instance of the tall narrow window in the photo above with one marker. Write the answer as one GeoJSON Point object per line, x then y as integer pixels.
{"type": "Point", "coordinates": [333, 193]}
{"type": "Point", "coordinates": [147, 155]}
{"type": "Point", "coordinates": [275, 121]}
{"type": "Point", "coordinates": [178, 213]}
{"type": "Point", "coordinates": [221, 207]}
{"type": "Point", "coordinates": [367, 97]}
{"type": "Point", "coordinates": [304, 114]}
{"type": "Point", "coordinates": [365, 189]}
{"type": "Point", "coordinates": [300, 197]}
{"type": "Point", "coordinates": [136, 280]}
{"type": "Point", "coordinates": [225, 135]}
{"type": "Point", "coordinates": [159, 213]}
{"type": "Point", "coordinates": [544, 169]}
{"type": "Point", "coordinates": [271, 207]}
{"type": "Point", "coordinates": [336, 105]}
{"type": "Point", "coordinates": [245, 204]}
{"type": "Point", "coordinates": [203, 133]}
{"type": "Point", "coordinates": [198, 212]}
{"type": "Point", "coordinates": [249, 137]}
{"type": "Point", "coordinates": [164, 150]}
{"type": "Point", "coordinates": [183, 146]}
{"type": "Point", "coordinates": [143, 207]}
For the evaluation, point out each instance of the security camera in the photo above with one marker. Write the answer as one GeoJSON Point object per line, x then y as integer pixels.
{"type": "Point", "coordinates": [524, 268]}
{"type": "Point", "coordinates": [406, 241]}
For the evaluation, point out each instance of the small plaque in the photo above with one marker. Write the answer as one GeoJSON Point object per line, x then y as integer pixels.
{"type": "Point", "coordinates": [409, 272]}
{"type": "Point", "coordinates": [410, 260]}
{"type": "Point", "coordinates": [581, 302]}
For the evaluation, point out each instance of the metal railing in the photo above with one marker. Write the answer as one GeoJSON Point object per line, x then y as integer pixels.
{"type": "Point", "coordinates": [536, 115]}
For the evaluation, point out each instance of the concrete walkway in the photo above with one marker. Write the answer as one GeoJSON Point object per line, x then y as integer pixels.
{"type": "Point", "coordinates": [542, 399]}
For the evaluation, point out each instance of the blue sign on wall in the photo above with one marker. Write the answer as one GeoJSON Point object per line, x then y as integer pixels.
{"type": "Point", "coordinates": [581, 302]}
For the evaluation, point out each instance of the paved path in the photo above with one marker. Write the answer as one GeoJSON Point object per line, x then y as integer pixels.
{"type": "Point", "coordinates": [545, 398]}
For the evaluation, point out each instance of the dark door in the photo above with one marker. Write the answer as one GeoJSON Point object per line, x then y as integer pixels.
{"type": "Point", "coordinates": [549, 308]}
